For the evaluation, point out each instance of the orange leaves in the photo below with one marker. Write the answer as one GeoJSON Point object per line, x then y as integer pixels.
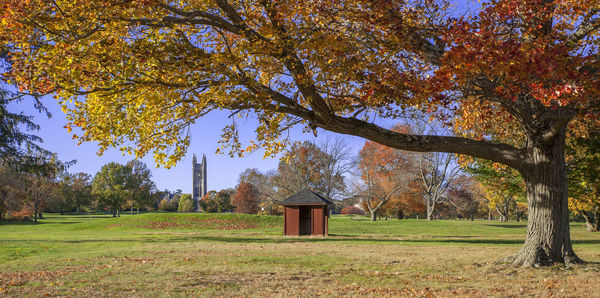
{"type": "Point", "coordinates": [142, 73]}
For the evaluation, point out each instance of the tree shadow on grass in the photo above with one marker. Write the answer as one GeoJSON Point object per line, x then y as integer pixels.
{"type": "Point", "coordinates": [92, 216]}
{"type": "Point", "coordinates": [510, 226]}
{"type": "Point", "coordinates": [40, 222]}
{"type": "Point", "coordinates": [193, 238]}
{"type": "Point", "coordinates": [292, 239]}
{"type": "Point", "coordinates": [18, 223]}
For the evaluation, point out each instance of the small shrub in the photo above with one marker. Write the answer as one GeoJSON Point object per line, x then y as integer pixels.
{"type": "Point", "coordinates": [352, 210]}
{"type": "Point", "coordinates": [186, 204]}
{"type": "Point", "coordinates": [25, 214]}
{"type": "Point", "coordinates": [168, 205]}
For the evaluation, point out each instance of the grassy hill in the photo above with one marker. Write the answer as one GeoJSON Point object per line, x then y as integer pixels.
{"type": "Point", "coordinates": [164, 254]}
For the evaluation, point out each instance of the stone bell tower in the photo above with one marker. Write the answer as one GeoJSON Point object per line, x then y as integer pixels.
{"type": "Point", "coordinates": [198, 179]}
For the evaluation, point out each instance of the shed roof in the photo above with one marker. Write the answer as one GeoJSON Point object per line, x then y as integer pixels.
{"type": "Point", "coordinates": [306, 197]}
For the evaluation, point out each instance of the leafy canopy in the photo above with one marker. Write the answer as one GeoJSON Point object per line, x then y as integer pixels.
{"type": "Point", "coordinates": [136, 74]}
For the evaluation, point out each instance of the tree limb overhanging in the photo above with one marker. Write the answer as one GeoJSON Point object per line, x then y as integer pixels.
{"type": "Point", "coordinates": [513, 79]}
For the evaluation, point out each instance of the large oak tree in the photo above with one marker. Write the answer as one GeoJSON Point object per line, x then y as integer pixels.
{"type": "Point", "coordinates": [523, 71]}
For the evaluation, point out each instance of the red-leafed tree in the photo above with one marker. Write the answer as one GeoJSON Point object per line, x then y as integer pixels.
{"type": "Point", "coordinates": [513, 77]}
{"type": "Point", "coordinates": [465, 195]}
{"type": "Point", "coordinates": [245, 199]}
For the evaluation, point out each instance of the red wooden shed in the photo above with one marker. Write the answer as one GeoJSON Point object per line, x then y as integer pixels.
{"type": "Point", "coordinates": [305, 213]}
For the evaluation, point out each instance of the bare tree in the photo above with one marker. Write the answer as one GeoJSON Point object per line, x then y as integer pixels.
{"type": "Point", "coordinates": [319, 167]}
{"type": "Point", "coordinates": [436, 173]}
{"type": "Point", "coordinates": [337, 164]}
{"type": "Point", "coordinates": [436, 170]}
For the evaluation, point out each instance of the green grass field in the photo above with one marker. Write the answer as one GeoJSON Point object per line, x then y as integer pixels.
{"type": "Point", "coordinates": [167, 254]}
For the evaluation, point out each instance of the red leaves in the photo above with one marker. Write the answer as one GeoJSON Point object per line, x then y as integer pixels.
{"type": "Point", "coordinates": [245, 199]}
{"type": "Point", "coordinates": [214, 223]}
{"type": "Point", "coordinates": [352, 210]}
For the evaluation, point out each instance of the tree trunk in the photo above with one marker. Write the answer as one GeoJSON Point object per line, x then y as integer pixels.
{"type": "Point", "coordinates": [548, 238]}
{"type": "Point", "coordinates": [373, 215]}
{"type": "Point", "coordinates": [430, 208]}
{"type": "Point", "coordinates": [597, 220]}
{"type": "Point", "coordinates": [589, 222]}
{"type": "Point", "coordinates": [35, 212]}
{"type": "Point", "coordinates": [503, 212]}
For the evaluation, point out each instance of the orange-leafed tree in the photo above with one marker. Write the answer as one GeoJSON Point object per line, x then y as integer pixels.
{"type": "Point", "coordinates": [320, 167]}
{"type": "Point", "coordinates": [301, 167]}
{"type": "Point", "coordinates": [513, 77]}
{"type": "Point", "coordinates": [384, 172]}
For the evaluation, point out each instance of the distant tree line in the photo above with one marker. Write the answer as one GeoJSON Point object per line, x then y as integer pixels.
{"type": "Point", "coordinates": [45, 185]}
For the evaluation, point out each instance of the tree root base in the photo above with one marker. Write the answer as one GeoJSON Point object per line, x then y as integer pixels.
{"type": "Point", "coordinates": [539, 258]}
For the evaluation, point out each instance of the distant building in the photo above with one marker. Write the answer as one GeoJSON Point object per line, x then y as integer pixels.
{"type": "Point", "coordinates": [198, 179]}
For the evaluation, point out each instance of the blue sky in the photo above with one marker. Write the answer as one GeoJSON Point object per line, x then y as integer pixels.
{"type": "Point", "coordinates": [223, 171]}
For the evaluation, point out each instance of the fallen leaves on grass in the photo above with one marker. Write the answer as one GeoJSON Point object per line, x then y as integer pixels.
{"type": "Point", "coordinates": [207, 223]}
{"type": "Point", "coordinates": [21, 278]}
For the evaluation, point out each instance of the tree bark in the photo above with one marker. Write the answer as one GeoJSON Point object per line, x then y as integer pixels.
{"type": "Point", "coordinates": [430, 208]}
{"type": "Point", "coordinates": [597, 220]}
{"type": "Point", "coordinates": [35, 212]}
{"type": "Point", "coordinates": [503, 213]}
{"type": "Point", "coordinates": [373, 216]}
{"type": "Point", "coordinates": [548, 237]}
{"type": "Point", "coordinates": [589, 222]}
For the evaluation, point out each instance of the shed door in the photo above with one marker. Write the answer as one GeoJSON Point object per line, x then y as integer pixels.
{"type": "Point", "coordinates": [292, 218]}
{"type": "Point", "coordinates": [318, 226]}
{"type": "Point", "coordinates": [305, 220]}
